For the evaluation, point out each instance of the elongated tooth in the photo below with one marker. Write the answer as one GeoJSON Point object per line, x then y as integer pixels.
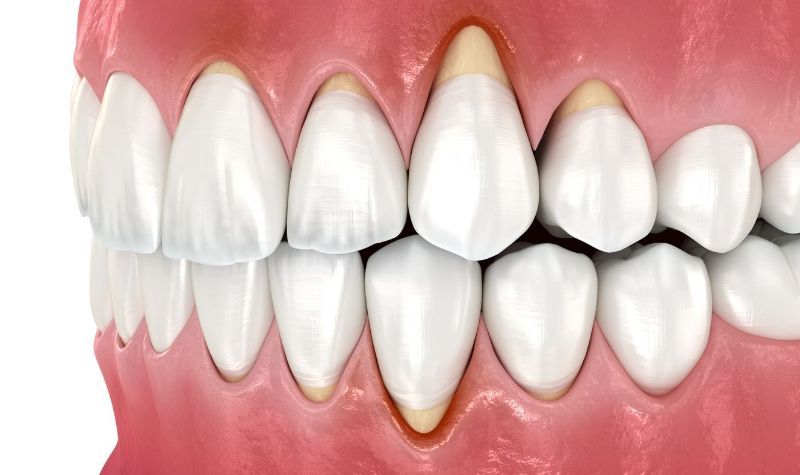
{"type": "Point", "coordinates": [83, 116]}
{"type": "Point", "coordinates": [167, 297]}
{"type": "Point", "coordinates": [126, 297]}
{"type": "Point", "coordinates": [424, 305]}
{"type": "Point", "coordinates": [348, 183]}
{"type": "Point", "coordinates": [596, 176]}
{"type": "Point", "coordinates": [127, 165]}
{"type": "Point", "coordinates": [320, 311]}
{"type": "Point", "coordinates": [473, 186]}
{"type": "Point", "coordinates": [755, 287]}
{"type": "Point", "coordinates": [538, 305]}
{"type": "Point", "coordinates": [100, 286]}
{"type": "Point", "coordinates": [235, 311]}
{"type": "Point", "coordinates": [709, 186]}
{"type": "Point", "coordinates": [228, 176]}
{"type": "Point", "coordinates": [781, 201]}
{"type": "Point", "coordinates": [655, 312]}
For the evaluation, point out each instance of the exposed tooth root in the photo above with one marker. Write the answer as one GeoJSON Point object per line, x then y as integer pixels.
{"type": "Point", "coordinates": [83, 117]}
{"type": "Point", "coordinates": [126, 297]}
{"type": "Point", "coordinates": [781, 200]}
{"type": "Point", "coordinates": [471, 51]}
{"type": "Point", "coordinates": [344, 82]}
{"type": "Point", "coordinates": [588, 94]}
{"type": "Point", "coordinates": [167, 297]}
{"type": "Point", "coordinates": [100, 286]}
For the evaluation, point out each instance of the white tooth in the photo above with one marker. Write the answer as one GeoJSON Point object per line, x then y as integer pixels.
{"type": "Point", "coordinates": [655, 312]}
{"type": "Point", "coordinates": [167, 296]}
{"type": "Point", "coordinates": [228, 177]}
{"type": "Point", "coordinates": [538, 305]}
{"type": "Point", "coordinates": [127, 165]}
{"type": "Point", "coordinates": [755, 287]}
{"type": "Point", "coordinates": [348, 184]}
{"type": "Point", "coordinates": [597, 181]}
{"type": "Point", "coordinates": [320, 311]}
{"type": "Point", "coordinates": [126, 298]}
{"type": "Point", "coordinates": [781, 201]}
{"type": "Point", "coordinates": [709, 186]}
{"type": "Point", "coordinates": [83, 117]}
{"type": "Point", "coordinates": [473, 187]}
{"type": "Point", "coordinates": [100, 286]}
{"type": "Point", "coordinates": [235, 311]}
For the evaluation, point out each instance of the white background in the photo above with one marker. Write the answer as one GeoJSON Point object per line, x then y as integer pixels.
{"type": "Point", "coordinates": [55, 413]}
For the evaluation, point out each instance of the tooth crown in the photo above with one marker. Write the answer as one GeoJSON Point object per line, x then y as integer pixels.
{"type": "Point", "coordinates": [126, 297]}
{"type": "Point", "coordinates": [781, 199]}
{"type": "Point", "coordinates": [167, 297]}
{"type": "Point", "coordinates": [83, 117]}
{"type": "Point", "coordinates": [99, 286]}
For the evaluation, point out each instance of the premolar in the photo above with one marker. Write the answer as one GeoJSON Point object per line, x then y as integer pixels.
{"type": "Point", "coordinates": [781, 201]}
{"type": "Point", "coordinates": [83, 117]}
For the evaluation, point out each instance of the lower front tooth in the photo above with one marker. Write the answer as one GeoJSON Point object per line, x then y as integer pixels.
{"type": "Point", "coordinates": [100, 286]}
{"type": "Point", "coordinates": [126, 297]}
{"type": "Point", "coordinates": [167, 296]}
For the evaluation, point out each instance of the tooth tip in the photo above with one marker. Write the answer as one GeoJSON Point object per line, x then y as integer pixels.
{"type": "Point", "coordinates": [424, 421]}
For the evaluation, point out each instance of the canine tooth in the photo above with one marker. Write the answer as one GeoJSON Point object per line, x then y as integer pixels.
{"type": "Point", "coordinates": [166, 286]}
{"type": "Point", "coordinates": [320, 312]}
{"type": "Point", "coordinates": [424, 305]}
{"type": "Point", "coordinates": [781, 201]}
{"type": "Point", "coordinates": [228, 176]}
{"type": "Point", "coordinates": [655, 312]}
{"type": "Point", "coordinates": [235, 311]}
{"type": "Point", "coordinates": [83, 116]}
{"type": "Point", "coordinates": [473, 185]}
{"type": "Point", "coordinates": [100, 286]}
{"type": "Point", "coordinates": [127, 165]}
{"type": "Point", "coordinates": [709, 186]}
{"type": "Point", "coordinates": [596, 177]}
{"type": "Point", "coordinates": [538, 305]}
{"type": "Point", "coordinates": [126, 297]}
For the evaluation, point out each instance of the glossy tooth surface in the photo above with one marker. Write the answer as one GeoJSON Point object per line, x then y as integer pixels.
{"type": "Point", "coordinates": [780, 204]}
{"type": "Point", "coordinates": [655, 312]}
{"type": "Point", "coordinates": [348, 183]}
{"type": "Point", "coordinates": [235, 311]}
{"type": "Point", "coordinates": [538, 305]}
{"type": "Point", "coordinates": [126, 297]}
{"type": "Point", "coordinates": [167, 297]}
{"type": "Point", "coordinates": [473, 186]}
{"type": "Point", "coordinates": [100, 286]}
{"type": "Point", "coordinates": [755, 286]}
{"type": "Point", "coordinates": [709, 186]}
{"type": "Point", "coordinates": [127, 165]}
{"type": "Point", "coordinates": [228, 177]}
{"type": "Point", "coordinates": [320, 311]}
{"type": "Point", "coordinates": [83, 117]}
{"type": "Point", "coordinates": [597, 180]}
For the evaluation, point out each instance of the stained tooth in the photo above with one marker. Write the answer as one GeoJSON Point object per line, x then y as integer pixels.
{"type": "Point", "coordinates": [655, 312]}
{"type": "Point", "coordinates": [228, 176]}
{"type": "Point", "coordinates": [100, 286]}
{"type": "Point", "coordinates": [473, 185]}
{"type": "Point", "coordinates": [235, 311]}
{"type": "Point", "coordinates": [126, 297]}
{"type": "Point", "coordinates": [424, 305]}
{"type": "Point", "coordinates": [596, 176]}
{"type": "Point", "coordinates": [83, 116]}
{"type": "Point", "coordinates": [781, 201]}
{"type": "Point", "coordinates": [348, 183]}
{"type": "Point", "coordinates": [538, 305]}
{"type": "Point", "coordinates": [167, 297]}
{"type": "Point", "coordinates": [127, 165]}
{"type": "Point", "coordinates": [709, 186]}
{"type": "Point", "coordinates": [320, 312]}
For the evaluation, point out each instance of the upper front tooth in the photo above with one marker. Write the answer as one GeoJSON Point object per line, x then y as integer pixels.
{"type": "Point", "coordinates": [424, 305]}
{"type": "Point", "coordinates": [320, 312]}
{"type": "Point", "coordinates": [597, 180]}
{"type": "Point", "coordinates": [127, 165]}
{"type": "Point", "coordinates": [85, 108]}
{"type": "Point", "coordinates": [781, 201]}
{"type": "Point", "coordinates": [348, 183]}
{"type": "Point", "coordinates": [709, 186]}
{"type": "Point", "coordinates": [655, 312]}
{"type": "Point", "coordinates": [100, 286]}
{"type": "Point", "coordinates": [228, 176]}
{"type": "Point", "coordinates": [167, 297]}
{"type": "Point", "coordinates": [538, 305]}
{"type": "Point", "coordinates": [126, 297]}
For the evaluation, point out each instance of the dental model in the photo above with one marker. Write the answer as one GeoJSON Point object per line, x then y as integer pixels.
{"type": "Point", "coordinates": [311, 225]}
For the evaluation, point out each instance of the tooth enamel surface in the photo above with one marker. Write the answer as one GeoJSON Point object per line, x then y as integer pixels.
{"type": "Point", "coordinates": [424, 305]}
{"type": "Point", "coordinates": [167, 296]}
{"type": "Point", "coordinates": [83, 117]}
{"type": "Point", "coordinates": [235, 311]}
{"type": "Point", "coordinates": [228, 177]}
{"type": "Point", "coordinates": [709, 186]}
{"type": "Point", "coordinates": [780, 204]}
{"type": "Point", "coordinates": [655, 312]}
{"type": "Point", "coordinates": [538, 305]}
{"type": "Point", "coordinates": [755, 287]}
{"type": "Point", "coordinates": [126, 297]}
{"type": "Point", "coordinates": [319, 309]}
{"type": "Point", "coordinates": [100, 286]}
{"type": "Point", "coordinates": [127, 166]}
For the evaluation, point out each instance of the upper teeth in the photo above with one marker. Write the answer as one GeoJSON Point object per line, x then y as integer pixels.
{"type": "Point", "coordinates": [781, 200]}
{"type": "Point", "coordinates": [85, 108]}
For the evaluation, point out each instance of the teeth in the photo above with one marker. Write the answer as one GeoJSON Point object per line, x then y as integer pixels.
{"type": "Point", "coordinates": [424, 305]}
{"type": "Point", "coordinates": [348, 183]}
{"type": "Point", "coordinates": [83, 116]}
{"type": "Point", "coordinates": [100, 286]}
{"type": "Point", "coordinates": [538, 305]}
{"type": "Point", "coordinates": [235, 311]}
{"type": "Point", "coordinates": [127, 165]}
{"type": "Point", "coordinates": [228, 177]}
{"type": "Point", "coordinates": [126, 298]}
{"type": "Point", "coordinates": [167, 297]}
{"type": "Point", "coordinates": [655, 312]}
{"type": "Point", "coordinates": [781, 200]}
{"type": "Point", "coordinates": [755, 287]}
{"type": "Point", "coordinates": [709, 186]}
{"type": "Point", "coordinates": [320, 311]}
{"type": "Point", "coordinates": [765, 230]}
